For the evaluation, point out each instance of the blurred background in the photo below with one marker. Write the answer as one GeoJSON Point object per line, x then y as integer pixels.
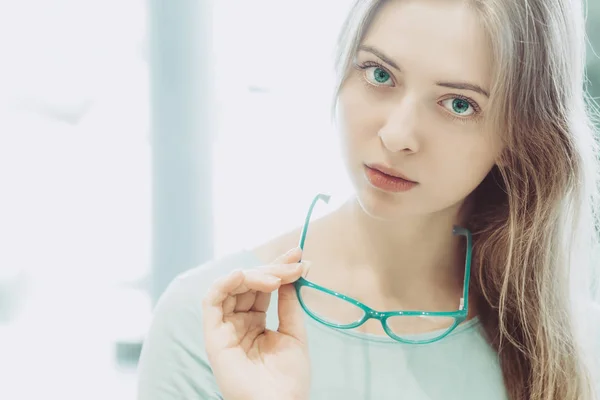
{"type": "Point", "coordinates": [138, 139]}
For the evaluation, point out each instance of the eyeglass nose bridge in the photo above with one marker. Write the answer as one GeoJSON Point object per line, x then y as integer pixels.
{"type": "Point", "coordinates": [373, 314]}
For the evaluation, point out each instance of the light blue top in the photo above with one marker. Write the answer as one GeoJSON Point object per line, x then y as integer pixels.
{"type": "Point", "coordinates": [345, 365]}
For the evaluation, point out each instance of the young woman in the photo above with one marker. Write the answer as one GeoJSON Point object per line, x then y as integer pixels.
{"type": "Point", "coordinates": [459, 268]}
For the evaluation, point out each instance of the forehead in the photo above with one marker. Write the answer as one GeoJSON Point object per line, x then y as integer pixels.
{"type": "Point", "coordinates": [443, 39]}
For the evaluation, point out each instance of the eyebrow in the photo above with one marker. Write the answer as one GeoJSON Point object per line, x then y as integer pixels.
{"type": "Point", "coordinates": [464, 86]}
{"type": "Point", "coordinates": [379, 54]}
{"type": "Point", "coordinates": [453, 85]}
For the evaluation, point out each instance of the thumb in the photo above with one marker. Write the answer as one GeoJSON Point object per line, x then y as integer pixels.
{"type": "Point", "coordinates": [291, 314]}
{"type": "Point", "coordinates": [292, 256]}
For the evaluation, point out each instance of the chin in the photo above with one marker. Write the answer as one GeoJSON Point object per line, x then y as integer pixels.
{"type": "Point", "coordinates": [384, 206]}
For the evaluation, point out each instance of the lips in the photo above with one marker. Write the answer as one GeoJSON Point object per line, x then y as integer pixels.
{"type": "Point", "coordinates": [388, 180]}
{"type": "Point", "coordinates": [390, 172]}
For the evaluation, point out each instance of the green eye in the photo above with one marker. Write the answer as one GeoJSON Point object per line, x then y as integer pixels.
{"type": "Point", "coordinates": [459, 106]}
{"type": "Point", "coordinates": [378, 76]}
{"type": "Point", "coordinates": [381, 75]}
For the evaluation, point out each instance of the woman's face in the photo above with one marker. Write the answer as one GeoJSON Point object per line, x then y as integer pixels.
{"type": "Point", "coordinates": [414, 105]}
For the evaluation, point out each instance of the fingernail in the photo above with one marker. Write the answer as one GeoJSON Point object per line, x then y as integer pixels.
{"type": "Point", "coordinates": [273, 280]}
{"type": "Point", "coordinates": [292, 267]}
{"type": "Point", "coordinates": [306, 267]}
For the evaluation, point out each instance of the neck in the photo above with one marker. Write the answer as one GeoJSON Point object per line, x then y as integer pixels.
{"type": "Point", "coordinates": [406, 257]}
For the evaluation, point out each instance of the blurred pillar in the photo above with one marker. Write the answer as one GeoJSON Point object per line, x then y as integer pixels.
{"type": "Point", "coordinates": [179, 41]}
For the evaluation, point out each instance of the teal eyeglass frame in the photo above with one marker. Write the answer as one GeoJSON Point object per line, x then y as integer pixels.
{"type": "Point", "coordinates": [459, 315]}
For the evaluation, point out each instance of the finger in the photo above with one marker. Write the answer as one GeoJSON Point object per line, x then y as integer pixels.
{"type": "Point", "coordinates": [262, 302]}
{"type": "Point", "coordinates": [245, 301]}
{"type": "Point", "coordinates": [217, 301]}
{"type": "Point", "coordinates": [291, 315]}
{"type": "Point", "coordinates": [259, 301]}
{"type": "Point", "coordinates": [212, 304]}
{"type": "Point", "coordinates": [292, 256]}
{"type": "Point", "coordinates": [288, 273]}
{"type": "Point", "coordinates": [257, 280]}
{"type": "Point", "coordinates": [242, 298]}
{"type": "Point", "coordinates": [221, 300]}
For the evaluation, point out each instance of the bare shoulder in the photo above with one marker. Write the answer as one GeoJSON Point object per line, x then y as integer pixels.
{"type": "Point", "coordinates": [273, 248]}
{"type": "Point", "coordinates": [319, 241]}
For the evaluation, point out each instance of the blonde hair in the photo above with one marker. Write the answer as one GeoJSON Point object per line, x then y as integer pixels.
{"type": "Point", "coordinates": [534, 219]}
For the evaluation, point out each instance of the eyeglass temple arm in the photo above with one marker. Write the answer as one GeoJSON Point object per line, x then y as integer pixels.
{"type": "Point", "coordinates": [318, 197]}
{"type": "Point", "coordinates": [457, 230]}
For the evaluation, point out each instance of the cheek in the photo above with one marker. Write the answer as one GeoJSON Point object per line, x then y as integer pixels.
{"type": "Point", "coordinates": [460, 167]}
{"type": "Point", "coordinates": [357, 117]}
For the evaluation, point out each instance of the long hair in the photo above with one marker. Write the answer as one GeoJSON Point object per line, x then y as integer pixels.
{"type": "Point", "coordinates": [534, 216]}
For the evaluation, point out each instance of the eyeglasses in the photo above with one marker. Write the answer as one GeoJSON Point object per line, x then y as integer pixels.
{"type": "Point", "coordinates": [339, 311]}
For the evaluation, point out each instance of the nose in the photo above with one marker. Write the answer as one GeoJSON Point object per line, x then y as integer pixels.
{"type": "Point", "coordinates": [400, 131]}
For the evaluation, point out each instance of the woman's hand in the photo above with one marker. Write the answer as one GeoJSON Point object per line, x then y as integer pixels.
{"type": "Point", "coordinates": [248, 360]}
